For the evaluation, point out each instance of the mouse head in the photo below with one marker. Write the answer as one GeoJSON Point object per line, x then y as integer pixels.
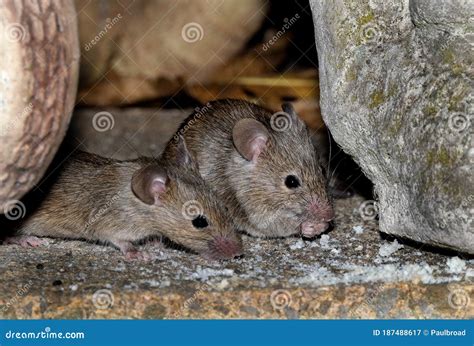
{"type": "Point", "coordinates": [279, 179]}
{"type": "Point", "coordinates": [183, 207]}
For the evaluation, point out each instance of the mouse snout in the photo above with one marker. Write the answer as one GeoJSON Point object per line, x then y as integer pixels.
{"type": "Point", "coordinates": [320, 214]}
{"type": "Point", "coordinates": [222, 247]}
{"type": "Point", "coordinates": [320, 211]}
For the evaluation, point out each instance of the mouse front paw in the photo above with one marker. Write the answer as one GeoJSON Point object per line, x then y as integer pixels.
{"type": "Point", "coordinates": [137, 255]}
{"type": "Point", "coordinates": [130, 252]}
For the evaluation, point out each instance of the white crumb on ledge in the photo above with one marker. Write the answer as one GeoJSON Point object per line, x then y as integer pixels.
{"type": "Point", "coordinates": [206, 273]}
{"type": "Point", "coordinates": [455, 265]}
{"type": "Point", "coordinates": [469, 276]}
{"type": "Point", "coordinates": [324, 241]}
{"type": "Point", "coordinates": [359, 248]}
{"type": "Point", "coordinates": [165, 283]}
{"type": "Point", "coordinates": [356, 274]}
{"type": "Point", "coordinates": [358, 229]}
{"type": "Point", "coordinates": [153, 283]}
{"type": "Point", "coordinates": [223, 284]}
{"type": "Point", "coordinates": [387, 249]}
{"type": "Point", "coordinates": [299, 244]}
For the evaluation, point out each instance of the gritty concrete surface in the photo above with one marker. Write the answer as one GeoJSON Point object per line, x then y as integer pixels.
{"type": "Point", "coordinates": [350, 272]}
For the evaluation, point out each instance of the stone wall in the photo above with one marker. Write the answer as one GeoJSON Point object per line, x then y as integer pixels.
{"type": "Point", "coordinates": [396, 92]}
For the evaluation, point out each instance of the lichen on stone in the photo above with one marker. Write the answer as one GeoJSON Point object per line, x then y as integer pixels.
{"type": "Point", "coordinates": [377, 98]}
{"type": "Point", "coordinates": [403, 92]}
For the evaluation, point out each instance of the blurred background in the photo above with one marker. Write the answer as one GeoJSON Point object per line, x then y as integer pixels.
{"type": "Point", "coordinates": [141, 56]}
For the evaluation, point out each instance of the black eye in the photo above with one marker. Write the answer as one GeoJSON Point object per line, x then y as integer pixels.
{"type": "Point", "coordinates": [292, 182]}
{"type": "Point", "coordinates": [200, 221]}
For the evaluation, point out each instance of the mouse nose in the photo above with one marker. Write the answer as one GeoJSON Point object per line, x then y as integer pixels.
{"type": "Point", "coordinates": [321, 211]}
{"type": "Point", "coordinates": [225, 248]}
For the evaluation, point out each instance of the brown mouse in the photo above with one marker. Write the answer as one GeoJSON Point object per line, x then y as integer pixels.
{"type": "Point", "coordinates": [121, 202]}
{"type": "Point", "coordinates": [262, 164]}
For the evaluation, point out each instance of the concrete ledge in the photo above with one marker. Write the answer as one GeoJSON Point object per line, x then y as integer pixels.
{"type": "Point", "coordinates": [349, 273]}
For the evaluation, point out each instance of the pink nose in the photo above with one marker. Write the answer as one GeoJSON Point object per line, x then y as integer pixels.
{"type": "Point", "coordinates": [327, 214]}
{"type": "Point", "coordinates": [225, 248]}
{"type": "Point", "coordinates": [311, 229]}
{"type": "Point", "coordinates": [321, 211]}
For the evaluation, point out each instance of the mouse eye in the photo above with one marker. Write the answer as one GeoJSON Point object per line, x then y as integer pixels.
{"type": "Point", "coordinates": [200, 221]}
{"type": "Point", "coordinates": [292, 182]}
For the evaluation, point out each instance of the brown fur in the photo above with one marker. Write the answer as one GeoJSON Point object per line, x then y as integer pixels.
{"type": "Point", "coordinates": [92, 199]}
{"type": "Point", "coordinates": [256, 195]}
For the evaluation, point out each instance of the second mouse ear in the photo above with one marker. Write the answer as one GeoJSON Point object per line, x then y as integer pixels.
{"type": "Point", "coordinates": [183, 155]}
{"type": "Point", "coordinates": [290, 110]}
{"type": "Point", "coordinates": [250, 138]}
{"type": "Point", "coordinates": [149, 183]}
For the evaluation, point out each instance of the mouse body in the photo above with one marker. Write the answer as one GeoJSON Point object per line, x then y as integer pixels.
{"type": "Point", "coordinates": [122, 202]}
{"type": "Point", "coordinates": [262, 165]}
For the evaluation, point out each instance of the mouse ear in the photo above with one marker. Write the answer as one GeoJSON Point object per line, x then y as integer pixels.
{"type": "Point", "coordinates": [290, 110]}
{"type": "Point", "coordinates": [287, 107]}
{"type": "Point", "coordinates": [250, 138]}
{"type": "Point", "coordinates": [183, 155]}
{"type": "Point", "coordinates": [149, 183]}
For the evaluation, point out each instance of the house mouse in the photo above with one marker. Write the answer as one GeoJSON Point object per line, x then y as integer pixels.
{"type": "Point", "coordinates": [121, 202]}
{"type": "Point", "coordinates": [263, 165]}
